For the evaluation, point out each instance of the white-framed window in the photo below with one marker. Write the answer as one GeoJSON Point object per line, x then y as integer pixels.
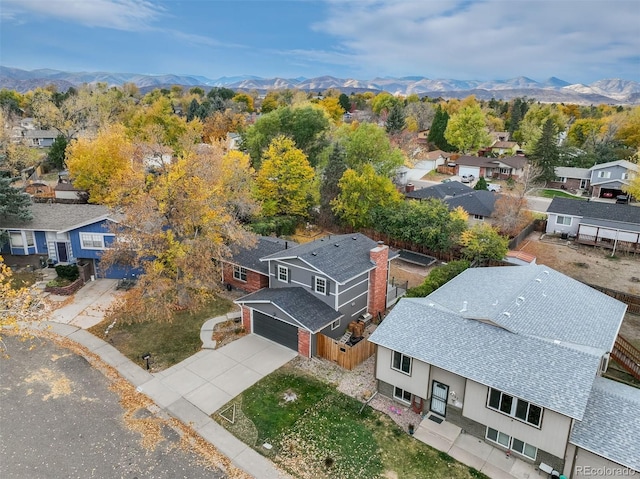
{"type": "Point", "coordinates": [604, 174]}
{"type": "Point", "coordinates": [283, 273]}
{"type": "Point", "coordinates": [239, 273]}
{"type": "Point", "coordinates": [335, 324]}
{"type": "Point", "coordinates": [514, 407]}
{"type": "Point", "coordinates": [92, 241]}
{"type": "Point", "coordinates": [512, 443]}
{"type": "Point", "coordinates": [401, 395]}
{"type": "Point", "coordinates": [560, 179]}
{"type": "Point", "coordinates": [401, 362]}
{"type": "Point", "coordinates": [478, 217]}
{"type": "Point", "coordinates": [563, 220]}
{"type": "Point", "coordinates": [21, 239]}
{"type": "Point", "coordinates": [320, 285]}
{"type": "Point", "coordinates": [505, 171]}
{"type": "Point", "coordinates": [625, 175]}
{"type": "Point", "coordinates": [583, 184]}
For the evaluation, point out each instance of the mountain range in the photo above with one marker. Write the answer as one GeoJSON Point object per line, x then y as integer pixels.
{"type": "Point", "coordinates": [609, 91]}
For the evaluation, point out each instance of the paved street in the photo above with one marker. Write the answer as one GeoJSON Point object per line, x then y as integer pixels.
{"type": "Point", "coordinates": [59, 419]}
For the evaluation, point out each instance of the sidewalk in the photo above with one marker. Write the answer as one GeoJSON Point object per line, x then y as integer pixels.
{"type": "Point", "coordinates": [193, 389]}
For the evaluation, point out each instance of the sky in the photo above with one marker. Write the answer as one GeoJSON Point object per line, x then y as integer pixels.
{"type": "Point", "coordinates": [579, 41]}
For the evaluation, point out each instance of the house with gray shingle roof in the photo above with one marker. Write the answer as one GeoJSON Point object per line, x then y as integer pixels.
{"type": "Point", "coordinates": [509, 354]}
{"type": "Point", "coordinates": [312, 291]}
{"type": "Point", "coordinates": [609, 179]}
{"type": "Point", "coordinates": [598, 223]}
{"type": "Point", "coordinates": [63, 233]}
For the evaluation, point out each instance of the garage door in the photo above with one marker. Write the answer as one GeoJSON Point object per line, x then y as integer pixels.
{"type": "Point", "coordinates": [469, 170]}
{"type": "Point", "coordinates": [275, 330]}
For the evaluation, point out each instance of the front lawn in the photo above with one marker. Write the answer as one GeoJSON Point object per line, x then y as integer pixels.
{"type": "Point", "coordinates": [561, 194]}
{"type": "Point", "coordinates": [320, 433]}
{"type": "Point", "coordinates": [167, 342]}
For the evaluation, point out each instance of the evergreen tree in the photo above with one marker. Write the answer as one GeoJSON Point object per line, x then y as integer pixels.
{"type": "Point", "coordinates": [438, 127]}
{"type": "Point", "coordinates": [481, 184]}
{"type": "Point", "coordinates": [344, 101]}
{"type": "Point", "coordinates": [192, 111]}
{"type": "Point", "coordinates": [13, 201]}
{"type": "Point", "coordinates": [546, 154]}
{"type": "Point", "coordinates": [57, 152]}
{"type": "Point", "coordinates": [329, 189]}
{"type": "Point", "coordinates": [396, 119]}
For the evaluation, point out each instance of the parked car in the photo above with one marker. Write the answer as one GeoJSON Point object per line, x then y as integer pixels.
{"type": "Point", "coordinates": [607, 194]}
{"type": "Point", "coordinates": [622, 199]}
{"type": "Point", "coordinates": [446, 180]}
{"type": "Point", "coordinates": [468, 178]}
{"type": "Point", "coordinates": [493, 187]}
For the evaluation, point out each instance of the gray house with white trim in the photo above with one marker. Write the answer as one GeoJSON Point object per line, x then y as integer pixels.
{"type": "Point", "coordinates": [511, 355]}
{"type": "Point", "coordinates": [608, 179]}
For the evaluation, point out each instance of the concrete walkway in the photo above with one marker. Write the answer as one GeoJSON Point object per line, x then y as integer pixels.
{"type": "Point", "coordinates": [193, 389]}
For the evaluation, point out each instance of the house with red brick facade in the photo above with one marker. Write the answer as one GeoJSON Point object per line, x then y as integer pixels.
{"type": "Point", "coordinates": [314, 289]}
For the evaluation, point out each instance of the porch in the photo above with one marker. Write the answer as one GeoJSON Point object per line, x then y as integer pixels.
{"type": "Point", "coordinates": [472, 451]}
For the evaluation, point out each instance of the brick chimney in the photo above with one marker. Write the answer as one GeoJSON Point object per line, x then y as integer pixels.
{"type": "Point", "coordinates": [378, 279]}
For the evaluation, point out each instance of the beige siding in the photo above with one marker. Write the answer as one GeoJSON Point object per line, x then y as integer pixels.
{"type": "Point", "coordinates": [416, 383]}
{"type": "Point", "coordinates": [552, 436]}
{"type": "Point", "coordinates": [456, 384]}
{"type": "Point", "coordinates": [590, 465]}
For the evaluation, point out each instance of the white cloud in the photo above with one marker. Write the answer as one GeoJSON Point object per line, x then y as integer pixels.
{"type": "Point", "coordinates": [486, 39]}
{"type": "Point", "coordinates": [127, 15]}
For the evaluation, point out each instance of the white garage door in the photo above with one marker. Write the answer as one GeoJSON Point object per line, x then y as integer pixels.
{"type": "Point", "coordinates": [469, 170]}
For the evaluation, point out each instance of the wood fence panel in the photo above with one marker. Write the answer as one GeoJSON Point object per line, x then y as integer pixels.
{"type": "Point", "coordinates": [347, 357]}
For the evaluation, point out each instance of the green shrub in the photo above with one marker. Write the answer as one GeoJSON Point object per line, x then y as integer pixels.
{"type": "Point", "coordinates": [278, 225]}
{"type": "Point", "coordinates": [68, 271]}
{"type": "Point", "coordinates": [437, 277]}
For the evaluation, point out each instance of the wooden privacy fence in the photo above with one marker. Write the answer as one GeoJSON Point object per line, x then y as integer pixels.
{"type": "Point", "coordinates": [627, 356]}
{"type": "Point", "coordinates": [631, 300]}
{"type": "Point", "coordinates": [347, 357]}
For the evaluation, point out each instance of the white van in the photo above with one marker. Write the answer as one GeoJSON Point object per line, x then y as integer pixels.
{"type": "Point", "coordinates": [493, 187]}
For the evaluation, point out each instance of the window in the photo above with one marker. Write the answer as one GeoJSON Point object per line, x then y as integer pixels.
{"type": "Point", "coordinates": [583, 184]}
{"type": "Point", "coordinates": [92, 241]}
{"type": "Point", "coordinates": [335, 324]}
{"type": "Point", "coordinates": [604, 174]}
{"type": "Point", "coordinates": [401, 363]}
{"type": "Point", "coordinates": [283, 273]}
{"type": "Point", "coordinates": [505, 171]}
{"type": "Point", "coordinates": [563, 220]}
{"type": "Point", "coordinates": [320, 285]}
{"type": "Point", "coordinates": [21, 239]}
{"type": "Point", "coordinates": [478, 217]}
{"type": "Point", "coordinates": [560, 179]}
{"type": "Point", "coordinates": [401, 394]}
{"type": "Point", "coordinates": [512, 443]}
{"type": "Point", "coordinates": [514, 407]}
{"type": "Point", "coordinates": [240, 273]}
{"type": "Point", "coordinates": [625, 176]}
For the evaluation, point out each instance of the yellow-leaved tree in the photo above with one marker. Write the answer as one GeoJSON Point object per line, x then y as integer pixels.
{"type": "Point", "coordinates": [101, 164]}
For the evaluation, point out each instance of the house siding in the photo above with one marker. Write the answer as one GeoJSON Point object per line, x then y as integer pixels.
{"type": "Point", "coordinates": [551, 437]}
{"type": "Point", "coordinates": [98, 228]}
{"type": "Point", "coordinates": [456, 384]}
{"type": "Point", "coordinates": [255, 281]}
{"type": "Point", "coordinates": [616, 173]}
{"type": "Point", "coordinates": [588, 464]}
{"type": "Point", "coordinates": [41, 241]}
{"type": "Point", "coordinates": [417, 383]}
{"type": "Point", "coordinates": [554, 228]}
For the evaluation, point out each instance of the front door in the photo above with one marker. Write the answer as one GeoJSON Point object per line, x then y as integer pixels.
{"type": "Point", "coordinates": [439, 394]}
{"type": "Point", "coordinates": [61, 250]}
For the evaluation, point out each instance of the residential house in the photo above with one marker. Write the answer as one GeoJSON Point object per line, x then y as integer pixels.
{"type": "Point", "coordinates": [478, 203]}
{"type": "Point", "coordinates": [512, 355]}
{"type": "Point", "coordinates": [424, 162]}
{"type": "Point", "coordinates": [439, 191]}
{"type": "Point", "coordinates": [597, 223]}
{"type": "Point", "coordinates": [40, 138]}
{"type": "Point", "coordinates": [501, 147]}
{"type": "Point", "coordinates": [245, 271]}
{"type": "Point", "coordinates": [571, 179]}
{"type": "Point", "coordinates": [499, 136]}
{"type": "Point", "coordinates": [39, 189]}
{"type": "Point", "coordinates": [609, 179]}
{"type": "Point", "coordinates": [499, 168]}
{"type": "Point", "coordinates": [317, 289]}
{"type": "Point", "coordinates": [65, 234]}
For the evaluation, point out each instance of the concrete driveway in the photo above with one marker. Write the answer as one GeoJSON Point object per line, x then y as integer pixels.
{"type": "Point", "coordinates": [211, 378]}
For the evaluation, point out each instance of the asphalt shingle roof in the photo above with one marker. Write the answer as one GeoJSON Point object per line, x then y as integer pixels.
{"type": "Point", "coordinates": [340, 257]}
{"type": "Point", "coordinates": [266, 245]}
{"type": "Point", "coordinates": [298, 303]}
{"type": "Point", "coordinates": [613, 407]}
{"type": "Point", "coordinates": [441, 191]}
{"type": "Point", "coordinates": [476, 202]}
{"type": "Point", "coordinates": [539, 301]}
{"type": "Point", "coordinates": [530, 368]}
{"type": "Point", "coordinates": [595, 209]}
{"type": "Point", "coordinates": [571, 172]}
{"type": "Point", "coordinates": [56, 217]}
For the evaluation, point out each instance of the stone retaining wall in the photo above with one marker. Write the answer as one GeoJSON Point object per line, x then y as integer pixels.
{"type": "Point", "coordinates": [65, 290]}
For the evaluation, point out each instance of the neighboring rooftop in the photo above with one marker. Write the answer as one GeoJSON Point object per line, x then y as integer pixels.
{"type": "Point", "coordinates": [595, 209]}
{"type": "Point", "coordinates": [57, 217]}
{"type": "Point", "coordinates": [475, 202]}
{"type": "Point", "coordinates": [613, 407]}
{"type": "Point", "coordinates": [440, 191]}
{"type": "Point", "coordinates": [571, 172]}
{"type": "Point", "coordinates": [298, 304]}
{"type": "Point", "coordinates": [340, 257]}
{"type": "Point", "coordinates": [265, 245]}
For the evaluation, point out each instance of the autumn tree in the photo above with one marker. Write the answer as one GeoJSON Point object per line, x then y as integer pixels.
{"type": "Point", "coordinates": [368, 144]}
{"type": "Point", "coordinates": [245, 100]}
{"type": "Point", "coordinates": [14, 202]}
{"type": "Point", "coordinates": [270, 102]}
{"type": "Point", "coordinates": [99, 165]}
{"type": "Point", "coordinates": [420, 115]}
{"type": "Point", "coordinates": [629, 131]}
{"type": "Point", "coordinates": [383, 103]}
{"type": "Point", "coordinates": [216, 126]}
{"type": "Point", "coordinates": [467, 130]}
{"type": "Point", "coordinates": [362, 192]}
{"type": "Point", "coordinates": [332, 106]}
{"type": "Point", "coordinates": [177, 227]}
{"type": "Point", "coordinates": [438, 127]}
{"type": "Point", "coordinates": [531, 126]}
{"type": "Point", "coordinates": [438, 276]}
{"type": "Point", "coordinates": [285, 181]}
{"type": "Point", "coordinates": [483, 242]}
{"type": "Point", "coordinates": [546, 154]}
{"type": "Point", "coordinates": [511, 214]}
